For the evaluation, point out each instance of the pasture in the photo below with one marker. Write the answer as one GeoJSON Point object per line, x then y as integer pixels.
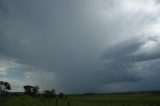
{"type": "Point", "coordinates": [93, 100]}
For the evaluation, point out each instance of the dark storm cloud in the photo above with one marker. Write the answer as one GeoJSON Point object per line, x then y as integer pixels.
{"type": "Point", "coordinates": [124, 52]}
{"type": "Point", "coordinates": [82, 44]}
{"type": "Point", "coordinates": [120, 59]}
{"type": "Point", "coordinates": [3, 10]}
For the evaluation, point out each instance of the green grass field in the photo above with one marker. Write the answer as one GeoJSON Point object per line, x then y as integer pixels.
{"type": "Point", "coordinates": [98, 100]}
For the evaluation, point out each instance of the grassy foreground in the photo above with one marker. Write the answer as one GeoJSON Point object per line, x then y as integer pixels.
{"type": "Point", "coordinates": [98, 100]}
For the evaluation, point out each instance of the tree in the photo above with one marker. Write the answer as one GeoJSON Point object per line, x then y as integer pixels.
{"type": "Point", "coordinates": [36, 90]}
{"type": "Point", "coordinates": [4, 87]}
{"type": "Point", "coordinates": [49, 93]}
{"type": "Point", "coordinates": [28, 89]}
{"type": "Point", "coordinates": [61, 95]}
{"type": "Point", "coordinates": [7, 86]}
{"type": "Point", "coordinates": [53, 91]}
{"type": "Point", "coordinates": [31, 90]}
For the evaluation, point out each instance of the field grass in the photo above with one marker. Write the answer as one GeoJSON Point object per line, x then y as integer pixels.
{"type": "Point", "coordinates": [97, 100]}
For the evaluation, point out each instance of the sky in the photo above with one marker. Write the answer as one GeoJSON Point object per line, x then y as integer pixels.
{"type": "Point", "coordinates": [80, 46]}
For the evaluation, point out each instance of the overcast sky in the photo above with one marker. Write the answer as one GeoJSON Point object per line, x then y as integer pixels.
{"type": "Point", "coordinates": [78, 46]}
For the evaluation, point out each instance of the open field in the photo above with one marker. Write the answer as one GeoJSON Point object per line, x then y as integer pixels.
{"type": "Point", "coordinates": [95, 100]}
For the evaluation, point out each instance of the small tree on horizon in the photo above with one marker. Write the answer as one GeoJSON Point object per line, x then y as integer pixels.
{"type": "Point", "coordinates": [4, 87]}
{"type": "Point", "coordinates": [36, 90]}
{"type": "Point", "coordinates": [61, 95]}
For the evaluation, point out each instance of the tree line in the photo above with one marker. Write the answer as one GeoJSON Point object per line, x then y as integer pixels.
{"type": "Point", "coordinates": [28, 90]}
{"type": "Point", "coordinates": [47, 96]}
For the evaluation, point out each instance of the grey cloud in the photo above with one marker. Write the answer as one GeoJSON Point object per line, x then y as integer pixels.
{"type": "Point", "coordinates": [125, 51]}
{"type": "Point", "coordinates": [122, 65]}
{"type": "Point", "coordinates": [3, 10]}
{"type": "Point", "coordinates": [69, 39]}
